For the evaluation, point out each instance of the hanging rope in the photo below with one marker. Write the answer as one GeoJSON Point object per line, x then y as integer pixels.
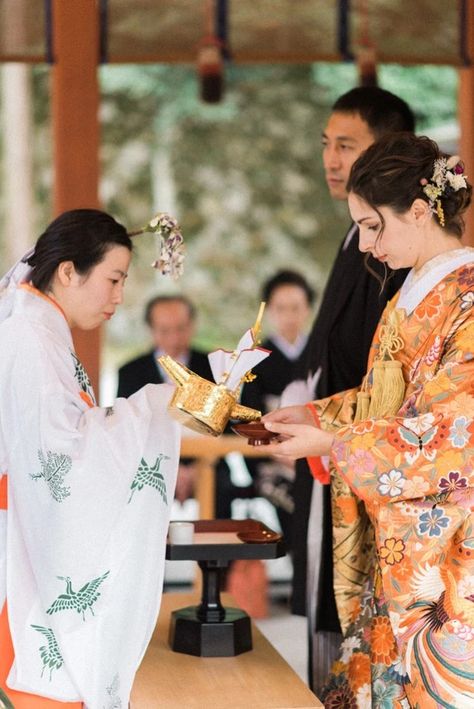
{"type": "Point", "coordinates": [210, 60]}
{"type": "Point", "coordinates": [366, 55]}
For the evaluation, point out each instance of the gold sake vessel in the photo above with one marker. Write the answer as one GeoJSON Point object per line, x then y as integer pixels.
{"type": "Point", "coordinates": [201, 405]}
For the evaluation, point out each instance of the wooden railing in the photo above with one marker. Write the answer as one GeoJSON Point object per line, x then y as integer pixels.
{"type": "Point", "coordinates": [207, 450]}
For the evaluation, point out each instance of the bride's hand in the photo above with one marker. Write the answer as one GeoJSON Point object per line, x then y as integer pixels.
{"type": "Point", "coordinates": [298, 440]}
{"type": "Point", "coordinates": [290, 414]}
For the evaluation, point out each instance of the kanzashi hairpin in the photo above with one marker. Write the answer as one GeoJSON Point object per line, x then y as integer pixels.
{"type": "Point", "coordinates": [448, 176]}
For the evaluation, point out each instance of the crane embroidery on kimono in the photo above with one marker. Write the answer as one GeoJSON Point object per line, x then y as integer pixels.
{"type": "Point", "coordinates": [114, 701]}
{"type": "Point", "coordinates": [5, 703]}
{"type": "Point", "coordinates": [150, 475]}
{"type": "Point", "coordinates": [81, 375]}
{"type": "Point", "coordinates": [86, 390]}
{"type": "Point", "coordinates": [50, 654]}
{"type": "Point", "coordinates": [80, 600]}
{"type": "Point", "coordinates": [451, 613]}
{"type": "Point", "coordinates": [53, 469]}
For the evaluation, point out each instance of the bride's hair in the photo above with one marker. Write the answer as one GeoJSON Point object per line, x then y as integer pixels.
{"type": "Point", "coordinates": [395, 171]}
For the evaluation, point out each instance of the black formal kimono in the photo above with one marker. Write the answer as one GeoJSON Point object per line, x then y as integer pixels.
{"type": "Point", "coordinates": [144, 370]}
{"type": "Point", "coordinates": [272, 376]}
{"type": "Point", "coordinates": [339, 343]}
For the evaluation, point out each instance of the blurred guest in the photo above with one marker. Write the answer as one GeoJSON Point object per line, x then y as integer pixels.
{"type": "Point", "coordinates": [289, 300]}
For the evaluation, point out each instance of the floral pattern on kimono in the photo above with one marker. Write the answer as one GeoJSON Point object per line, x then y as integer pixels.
{"type": "Point", "coordinates": [414, 474]}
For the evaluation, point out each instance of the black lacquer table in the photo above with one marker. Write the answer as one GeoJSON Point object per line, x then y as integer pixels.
{"type": "Point", "coordinates": [210, 629]}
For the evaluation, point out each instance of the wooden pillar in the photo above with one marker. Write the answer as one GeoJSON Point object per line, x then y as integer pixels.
{"type": "Point", "coordinates": [466, 116]}
{"type": "Point", "coordinates": [75, 121]}
{"type": "Point", "coordinates": [17, 181]}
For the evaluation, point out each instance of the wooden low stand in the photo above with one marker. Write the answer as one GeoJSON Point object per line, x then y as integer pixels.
{"type": "Point", "coordinates": [257, 679]}
{"type": "Point", "coordinates": [211, 629]}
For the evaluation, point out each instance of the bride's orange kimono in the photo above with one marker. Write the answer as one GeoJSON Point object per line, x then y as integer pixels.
{"type": "Point", "coordinates": [409, 625]}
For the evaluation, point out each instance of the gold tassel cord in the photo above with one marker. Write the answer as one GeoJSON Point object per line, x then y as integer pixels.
{"type": "Point", "coordinates": [387, 390]}
{"type": "Point", "coordinates": [362, 408]}
{"type": "Point", "coordinates": [390, 340]}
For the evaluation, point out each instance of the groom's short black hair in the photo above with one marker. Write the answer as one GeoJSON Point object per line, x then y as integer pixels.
{"type": "Point", "coordinates": [380, 109]}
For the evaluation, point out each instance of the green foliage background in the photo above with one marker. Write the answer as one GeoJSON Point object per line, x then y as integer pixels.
{"type": "Point", "coordinates": [243, 177]}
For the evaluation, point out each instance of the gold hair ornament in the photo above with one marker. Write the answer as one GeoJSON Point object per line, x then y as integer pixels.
{"type": "Point", "coordinates": [448, 176]}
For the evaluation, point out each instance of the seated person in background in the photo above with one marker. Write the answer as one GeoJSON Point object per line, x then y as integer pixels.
{"type": "Point", "coordinates": [171, 320]}
{"type": "Point", "coordinates": [289, 300]}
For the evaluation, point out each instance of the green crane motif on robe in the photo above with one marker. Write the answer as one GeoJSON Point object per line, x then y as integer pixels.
{"type": "Point", "coordinates": [114, 701]}
{"type": "Point", "coordinates": [80, 600]}
{"type": "Point", "coordinates": [150, 475]}
{"type": "Point", "coordinates": [49, 653]}
{"type": "Point", "coordinates": [53, 469]}
{"type": "Point", "coordinates": [5, 703]}
{"type": "Point", "coordinates": [82, 377]}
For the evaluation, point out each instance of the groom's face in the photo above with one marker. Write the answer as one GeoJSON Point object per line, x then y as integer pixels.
{"type": "Point", "coordinates": [345, 137]}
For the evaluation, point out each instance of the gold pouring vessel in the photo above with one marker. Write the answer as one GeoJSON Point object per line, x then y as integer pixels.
{"type": "Point", "coordinates": [204, 406]}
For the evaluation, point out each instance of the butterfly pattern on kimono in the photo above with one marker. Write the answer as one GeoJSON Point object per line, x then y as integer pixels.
{"type": "Point", "coordinates": [405, 439]}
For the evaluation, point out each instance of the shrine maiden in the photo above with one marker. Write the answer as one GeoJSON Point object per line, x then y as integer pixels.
{"type": "Point", "coordinates": [86, 490]}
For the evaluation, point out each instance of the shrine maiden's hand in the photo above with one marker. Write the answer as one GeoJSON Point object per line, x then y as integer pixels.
{"type": "Point", "coordinates": [299, 436]}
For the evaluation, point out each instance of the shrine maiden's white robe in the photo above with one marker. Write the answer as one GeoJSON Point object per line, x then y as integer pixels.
{"type": "Point", "coordinates": [82, 544]}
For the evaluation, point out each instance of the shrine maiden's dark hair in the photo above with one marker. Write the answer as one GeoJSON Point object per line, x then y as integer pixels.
{"type": "Point", "coordinates": [82, 236]}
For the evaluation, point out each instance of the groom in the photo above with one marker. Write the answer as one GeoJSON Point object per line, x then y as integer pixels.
{"type": "Point", "coordinates": [337, 355]}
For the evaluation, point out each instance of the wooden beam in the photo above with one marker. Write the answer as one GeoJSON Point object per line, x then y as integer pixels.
{"type": "Point", "coordinates": [466, 116]}
{"type": "Point", "coordinates": [75, 105]}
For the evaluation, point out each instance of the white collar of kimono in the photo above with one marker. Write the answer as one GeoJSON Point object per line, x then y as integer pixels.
{"type": "Point", "coordinates": [44, 311]}
{"type": "Point", "coordinates": [418, 284]}
{"type": "Point", "coordinates": [291, 350]}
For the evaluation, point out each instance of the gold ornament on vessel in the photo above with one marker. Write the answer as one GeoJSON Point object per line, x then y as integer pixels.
{"type": "Point", "coordinates": [206, 406]}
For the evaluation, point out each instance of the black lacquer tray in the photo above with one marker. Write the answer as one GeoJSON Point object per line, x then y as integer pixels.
{"type": "Point", "coordinates": [210, 630]}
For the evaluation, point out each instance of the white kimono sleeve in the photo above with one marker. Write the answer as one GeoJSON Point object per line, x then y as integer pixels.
{"type": "Point", "coordinates": [90, 491]}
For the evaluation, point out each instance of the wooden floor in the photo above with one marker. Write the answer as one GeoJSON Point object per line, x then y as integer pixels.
{"type": "Point", "coordinates": [259, 679]}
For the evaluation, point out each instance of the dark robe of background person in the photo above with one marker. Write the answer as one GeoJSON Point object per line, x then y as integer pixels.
{"type": "Point", "coordinates": [272, 376]}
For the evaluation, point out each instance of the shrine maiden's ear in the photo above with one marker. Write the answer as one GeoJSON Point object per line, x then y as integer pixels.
{"type": "Point", "coordinates": [66, 273]}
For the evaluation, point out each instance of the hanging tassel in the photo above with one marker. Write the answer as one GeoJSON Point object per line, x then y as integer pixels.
{"type": "Point", "coordinates": [366, 56]}
{"type": "Point", "coordinates": [367, 66]}
{"type": "Point", "coordinates": [376, 390]}
{"type": "Point", "coordinates": [211, 70]}
{"type": "Point", "coordinates": [362, 407]}
{"type": "Point", "coordinates": [388, 389]}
